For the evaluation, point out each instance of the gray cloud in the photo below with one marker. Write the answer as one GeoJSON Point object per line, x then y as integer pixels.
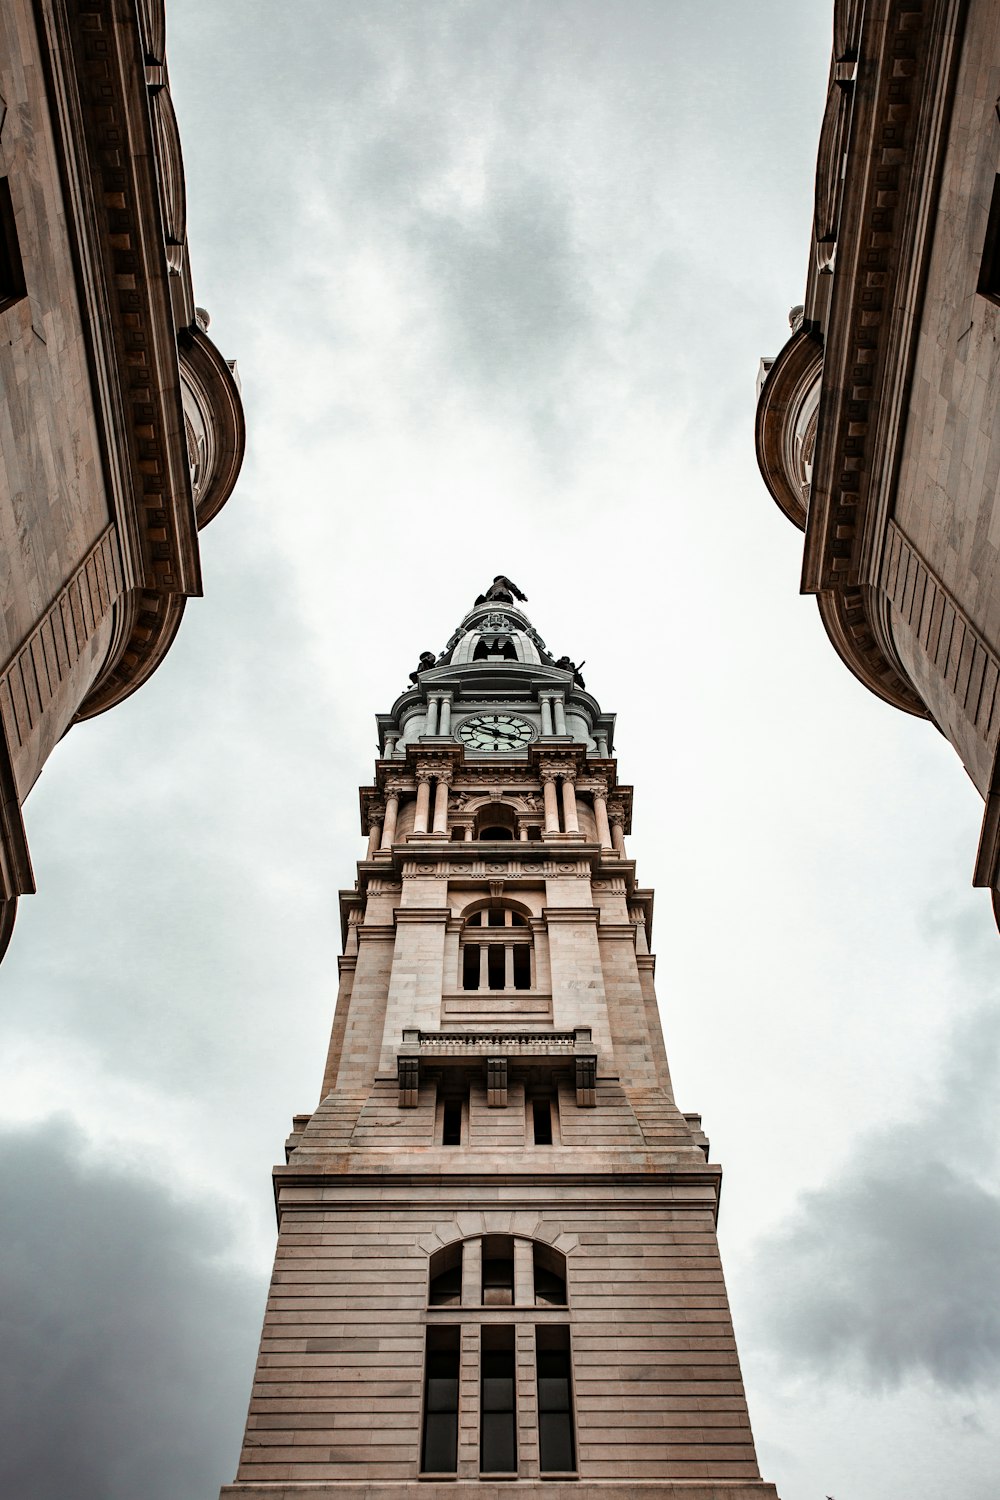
{"type": "Point", "coordinates": [510, 283]}
{"type": "Point", "coordinates": [128, 1343]}
{"type": "Point", "coordinates": [893, 1269]}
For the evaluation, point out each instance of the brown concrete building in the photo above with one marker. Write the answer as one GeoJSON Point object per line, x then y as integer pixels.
{"type": "Point", "coordinates": [878, 425]}
{"type": "Point", "coordinates": [121, 428]}
{"type": "Point", "coordinates": [497, 1259]}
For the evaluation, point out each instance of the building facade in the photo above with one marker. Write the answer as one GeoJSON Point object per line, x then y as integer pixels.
{"type": "Point", "coordinates": [121, 427]}
{"type": "Point", "coordinates": [878, 425]}
{"type": "Point", "coordinates": [497, 1260]}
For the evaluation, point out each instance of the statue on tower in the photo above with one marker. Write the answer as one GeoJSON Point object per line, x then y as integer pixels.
{"type": "Point", "coordinates": [427, 660]}
{"type": "Point", "coordinates": [501, 591]}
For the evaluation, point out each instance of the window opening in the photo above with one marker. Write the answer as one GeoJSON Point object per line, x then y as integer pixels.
{"type": "Point", "coordinates": [498, 1271]}
{"type": "Point", "coordinates": [556, 1448]}
{"type": "Point", "coordinates": [495, 917]}
{"type": "Point", "coordinates": [498, 1412]}
{"type": "Point", "coordinates": [989, 270]}
{"type": "Point", "coordinates": [541, 1111]}
{"type": "Point", "coordinates": [446, 1277]}
{"type": "Point", "coordinates": [550, 1276]}
{"type": "Point", "coordinates": [496, 966]}
{"type": "Point", "coordinates": [451, 1129]}
{"type": "Point", "coordinates": [496, 832]}
{"type": "Point", "coordinates": [522, 968]}
{"type": "Point", "coordinates": [12, 284]}
{"type": "Point", "coordinates": [439, 1450]}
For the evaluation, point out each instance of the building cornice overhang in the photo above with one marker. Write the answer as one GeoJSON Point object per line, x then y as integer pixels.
{"type": "Point", "coordinates": [342, 1187]}
{"type": "Point", "coordinates": [122, 181]}
{"type": "Point", "coordinates": [216, 385]}
{"type": "Point", "coordinates": [891, 89]}
{"type": "Point", "coordinates": [790, 382]}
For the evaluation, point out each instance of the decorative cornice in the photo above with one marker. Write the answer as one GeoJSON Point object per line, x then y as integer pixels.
{"type": "Point", "coordinates": [891, 87]}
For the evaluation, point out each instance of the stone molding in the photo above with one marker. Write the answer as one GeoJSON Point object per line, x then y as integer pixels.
{"type": "Point", "coordinates": [123, 192]}
{"type": "Point", "coordinates": [889, 106]}
{"type": "Point", "coordinates": [30, 680]}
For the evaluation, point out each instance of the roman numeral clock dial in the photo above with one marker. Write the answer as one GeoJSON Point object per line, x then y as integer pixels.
{"type": "Point", "coordinates": [495, 732]}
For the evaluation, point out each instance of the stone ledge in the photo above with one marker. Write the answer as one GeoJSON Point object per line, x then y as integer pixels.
{"type": "Point", "coordinates": [575, 1489]}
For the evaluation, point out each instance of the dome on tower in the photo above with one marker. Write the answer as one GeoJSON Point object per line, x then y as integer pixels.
{"type": "Point", "coordinates": [496, 629]}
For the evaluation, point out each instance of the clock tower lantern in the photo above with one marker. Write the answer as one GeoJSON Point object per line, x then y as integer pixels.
{"type": "Point", "coordinates": [497, 1263]}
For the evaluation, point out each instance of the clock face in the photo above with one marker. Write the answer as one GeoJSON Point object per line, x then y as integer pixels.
{"type": "Point", "coordinates": [489, 732]}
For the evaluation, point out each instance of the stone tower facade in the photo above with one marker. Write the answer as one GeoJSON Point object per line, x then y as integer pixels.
{"type": "Point", "coordinates": [497, 1262]}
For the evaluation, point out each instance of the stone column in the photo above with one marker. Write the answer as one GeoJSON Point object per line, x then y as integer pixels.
{"type": "Point", "coordinates": [601, 814]}
{"type": "Point", "coordinates": [546, 705]}
{"type": "Point", "coordinates": [391, 740]}
{"type": "Point", "coordinates": [431, 722]}
{"type": "Point", "coordinates": [508, 966]}
{"type": "Point", "coordinates": [424, 778]}
{"type": "Point", "coordinates": [484, 967]}
{"type": "Point", "coordinates": [467, 833]}
{"type": "Point", "coordinates": [570, 819]}
{"type": "Point", "coordinates": [472, 1273]}
{"type": "Point", "coordinates": [560, 713]}
{"type": "Point", "coordinates": [391, 811]}
{"type": "Point", "coordinates": [522, 833]}
{"type": "Point", "coordinates": [551, 797]}
{"type": "Point", "coordinates": [376, 817]}
{"type": "Point", "coordinates": [444, 727]}
{"type": "Point", "coordinates": [616, 813]}
{"type": "Point", "coordinates": [441, 800]}
{"type": "Point", "coordinates": [524, 1274]}
{"type": "Point", "coordinates": [602, 746]}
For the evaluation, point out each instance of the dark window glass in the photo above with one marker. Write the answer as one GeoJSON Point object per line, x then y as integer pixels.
{"type": "Point", "coordinates": [476, 920]}
{"type": "Point", "coordinates": [12, 287]}
{"type": "Point", "coordinates": [470, 966]}
{"type": "Point", "coordinates": [550, 1276]}
{"type": "Point", "coordinates": [496, 833]}
{"type": "Point", "coordinates": [498, 1271]}
{"type": "Point", "coordinates": [989, 270]}
{"type": "Point", "coordinates": [439, 1453]}
{"type": "Point", "coordinates": [541, 1111]}
{"type": "Point", "coordinates": [522, 968]}
{"type": "Point", "coordinates": [495, 966]}
{"type": "Point", "coordinates": [498, 1417]}
{"type": "Point", "coordinates": [495, 916]}
{"type": "Point", "coordinates": [446, 1277]}
{"type": "Point", "coordinates": [555, 1411]}
{"type": "Point", "coordinates": [533, 834]}
{"type": "Point", "coordinates": [451, 1133]}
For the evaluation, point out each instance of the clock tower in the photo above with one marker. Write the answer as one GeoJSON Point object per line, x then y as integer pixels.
{"type": "Point", "coordinates": [497, 1263]}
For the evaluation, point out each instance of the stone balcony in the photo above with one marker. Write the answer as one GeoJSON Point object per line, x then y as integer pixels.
{"type": "Point", "coordinates": [492, 1051]}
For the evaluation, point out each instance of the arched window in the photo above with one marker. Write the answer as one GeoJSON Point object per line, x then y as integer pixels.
{"type": "Point", "coordinates": [550, 1275]}
{"type": "Point", "coordinates": [446, 1277]}
{"type": "Point", "coordinates": [495, 821]}
{"type": "Point", "coordinates": [495, 648]}
{"type": "Point", "coordinates": [499, 1284]}
{"type": "Point", "coordinates": [496, 951]}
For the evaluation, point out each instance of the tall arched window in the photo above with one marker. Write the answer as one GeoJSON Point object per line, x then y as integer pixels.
{"type": "Point", "coordinates": [496, 951]}
{"type": "Point", "coordinates": [502, 1270]}
{"type": "Point", "coordinates": [495, 821]}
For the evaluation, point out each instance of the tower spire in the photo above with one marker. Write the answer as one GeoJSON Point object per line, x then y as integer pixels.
{"type": "Point", "coordinates": [497, 1253]}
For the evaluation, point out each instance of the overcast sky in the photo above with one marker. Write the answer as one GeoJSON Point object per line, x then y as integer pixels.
{"type": "Point", "coordinates": [498, 275]}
